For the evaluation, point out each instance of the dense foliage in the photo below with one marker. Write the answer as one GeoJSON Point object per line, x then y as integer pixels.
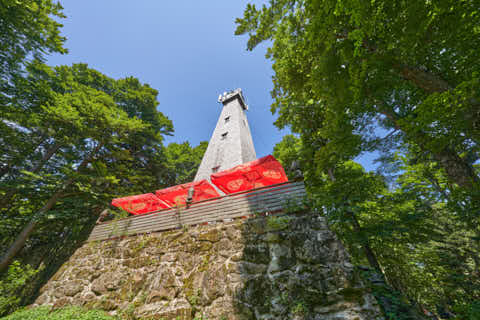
{"type": "Point", "coordinates": [74, 139]}
{"type": "Point", "coordinates": [71, 139]}
{"type": "Point", "coordinates": [28, 30]}
{"type": "Point", "coordinates": [77, 135]}
{"type": "Point", "coordinates": [400, 79]}
{"type": "Point", "coordinates": [182, 161]}
{"type": "Point", "coordinates": [12, 282]}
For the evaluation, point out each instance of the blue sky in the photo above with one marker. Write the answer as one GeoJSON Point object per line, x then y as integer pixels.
{"type": "Point", "coordinates": [186, 50]}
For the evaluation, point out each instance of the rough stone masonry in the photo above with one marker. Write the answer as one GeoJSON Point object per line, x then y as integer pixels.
{"type": "Point", "coordinates": [276, 267]}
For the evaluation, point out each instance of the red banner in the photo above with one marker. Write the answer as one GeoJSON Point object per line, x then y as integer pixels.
{"type": "Point", "coordinates": [177, 195]}
{"type": "Point", "coordinates": [140, 204]}
{"type": "Point", "coordinates": [255, 174]}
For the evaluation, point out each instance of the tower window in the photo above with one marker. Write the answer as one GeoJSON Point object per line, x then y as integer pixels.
{"type": "Point", "coordinates": [224, 135]}
{"type": "Point", "coordinates": [215, 169]}
{"type": "Point", "coordinates": [227, 119]}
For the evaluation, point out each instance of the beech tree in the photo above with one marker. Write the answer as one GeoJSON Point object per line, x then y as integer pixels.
{"type": "Point", "coordinates": [183, 161]}
{"type": "Point", "coordinates": [400, 79]}
{"type": "Point", "coordinates": [354, 64]}
{"type": "Point", "coordinates": [29, 29]}
{"type": "Point", "coordinates": [71, 139]}
{"type": "Point", "coordinates": [407, 231]}
{"type": "Point", "coordinates": [97, 134]}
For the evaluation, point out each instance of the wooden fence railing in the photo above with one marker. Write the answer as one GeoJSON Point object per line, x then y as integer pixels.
{"type": "Point", "coordinates": [268, 199]}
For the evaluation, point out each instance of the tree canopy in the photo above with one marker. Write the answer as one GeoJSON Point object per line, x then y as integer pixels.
{"type": "Point", "coordinates": [183, 161]}
{"type": "Point", "coordinates": [72, 140]}
{"type": "Point", "coordinates": [344, 66]}
{"type": "Point", "coordinates": [28, 30]}
{"type": "Point", "coordinates": [400, 79]}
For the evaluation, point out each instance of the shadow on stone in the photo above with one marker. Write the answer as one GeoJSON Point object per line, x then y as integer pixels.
{"type": "Point", "coordinates": [275, 267]}
{"type": "Point", "coordinates": [294, 267]}
{"type": "Point", "coordinates": [57, 255]}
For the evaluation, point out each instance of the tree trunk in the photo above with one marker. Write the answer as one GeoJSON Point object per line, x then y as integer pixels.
{"type": "Point", "coordinates": [428, 81]}
{"type": "Point", "coordinates": [9, 166]}
{"type": "Point", "coordinates": [50, 152]}
{"type": "Point", "coordinates": [28, 229]}
{"type": "Point", "coordinates": [457, 169]}
{"type": "Point", "coordinates": [436, 185]}
{"type": "Point", "coordinates": [371, 257]}
{"type": "Point", "coordinates": [5, 169]}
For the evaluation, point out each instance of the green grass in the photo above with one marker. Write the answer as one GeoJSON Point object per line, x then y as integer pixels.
{"type": "Point", "coordinates": [68, 313]}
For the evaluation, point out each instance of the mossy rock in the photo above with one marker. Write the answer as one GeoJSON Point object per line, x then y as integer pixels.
{"type": "Point", "coordinates": [172, 236]}
{"type": "Point", "coordinates": [125, 293]}
{"type": "Point", "coordinates": [258, 253]}
{"type": "Point", "coordinates": [130, 288]}
{"type": "Point", "coordinates": [105, 304]}
{"type": "Point", "coordinates": [155, 240]}
{"type": "Point", "coordinates": [256, 291]}
{"type": "Point", "coordinates": [353, 295]}
{"type": "Point", "coordinates": [85, 273]}
{"type": "Point", "coordinates": [188, 285]}
{"type": "Point", "coordinates": [184, 313]}
{"type": "Point", "coordinates": [212, 235]}
{"type": "Point", "coordinates": [85, 251]}
{"type": "Point", "coordinates": [185, 240]}
{"type": "Point", "coordinates": [277, 223]}
{"type": "Point", "coordinates": [254, 226]}
{"type": "Point", "coordinates": [204, 246]}
{"type": "Point", "coordinates": [313, 297]}
{"type": "Point", "coordinates": [272, 237]}
{"type": "Point", "coordinates": [140, 262]}
{"type": "Point", "coordinates": [205, 262]}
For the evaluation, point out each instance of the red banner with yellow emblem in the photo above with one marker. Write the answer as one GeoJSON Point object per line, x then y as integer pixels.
{"type": "Point", "coordinates": [255, 174]}
{"type": "Point", "coordinates": [177, 195]}
{"type": "Point", "coordinates": [140, 204]}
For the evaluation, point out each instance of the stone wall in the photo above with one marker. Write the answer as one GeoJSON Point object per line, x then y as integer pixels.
{"type": "Point", "coordinates": [277, 267]}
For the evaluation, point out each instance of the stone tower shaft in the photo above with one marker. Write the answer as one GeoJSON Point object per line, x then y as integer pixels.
{"type": "Point", "coordinates": [231, 143]}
